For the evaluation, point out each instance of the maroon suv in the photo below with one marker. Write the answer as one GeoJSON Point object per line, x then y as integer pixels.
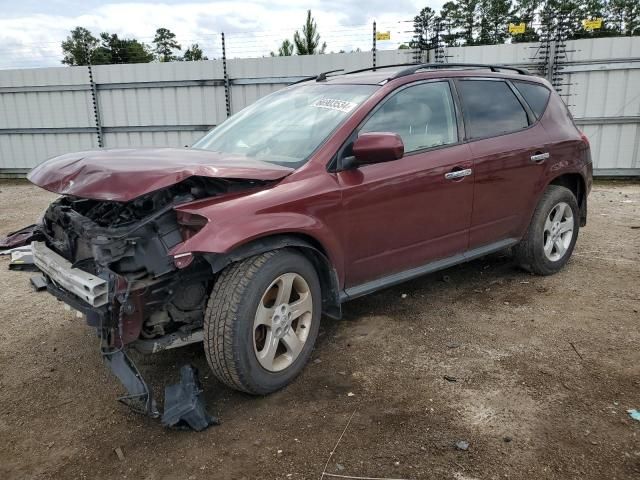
{"type": "Point", "coordinates": [324, 191]}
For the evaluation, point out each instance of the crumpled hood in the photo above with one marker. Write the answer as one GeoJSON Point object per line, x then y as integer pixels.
{"type": "Point", "coordinates": [124, 174]}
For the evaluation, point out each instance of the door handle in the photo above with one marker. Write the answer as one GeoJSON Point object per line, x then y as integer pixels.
{"type": "Point", "coordinates": [539, 157]}
{"type": "Point", "coordinates": [458, 174]}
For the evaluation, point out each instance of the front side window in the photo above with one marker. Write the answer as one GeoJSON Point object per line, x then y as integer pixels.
{"type": "Point", "coordinates": [490, 108]}
{"type": "Point", "coordinates": [423, 115]}
{"type": "Point", "coordinates": [287, 126]}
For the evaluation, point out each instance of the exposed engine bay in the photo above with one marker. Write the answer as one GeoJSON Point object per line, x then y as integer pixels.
{"type": "Point", "coordinates": [126, 246]}
{"type": "Point", "coordinates": [112, 261]}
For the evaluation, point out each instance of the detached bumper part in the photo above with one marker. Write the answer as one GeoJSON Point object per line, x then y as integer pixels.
{"type": "Point", "coordinates": [90, 288]}
{"type": "Point", "coordinates": [139, 397]}
{"type": "Point", "coordinates": [183, 404]}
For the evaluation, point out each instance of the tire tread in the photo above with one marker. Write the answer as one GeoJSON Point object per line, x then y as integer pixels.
{"type": "Point", "coordinates": [221, 314]}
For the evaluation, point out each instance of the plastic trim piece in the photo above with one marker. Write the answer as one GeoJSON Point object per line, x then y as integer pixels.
{"type": "Point", "coordinates": [396, 278]}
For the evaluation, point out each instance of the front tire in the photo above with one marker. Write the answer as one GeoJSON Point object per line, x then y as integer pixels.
{"type": "Point", "coordinates": [552, 233]}
{"type": "Point", "coordinates": [262, 321]}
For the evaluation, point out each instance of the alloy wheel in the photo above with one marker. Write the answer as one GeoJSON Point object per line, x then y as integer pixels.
{"type": "Point", "coordinates": [558, 231]}
{"type": "Point", "coordinates": [282, 322]}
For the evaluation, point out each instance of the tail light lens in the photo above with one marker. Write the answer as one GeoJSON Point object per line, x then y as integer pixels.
{"type": "Point", "coordinates": [190, 224]}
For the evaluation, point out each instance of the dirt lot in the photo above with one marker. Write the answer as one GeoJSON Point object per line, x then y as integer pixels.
{"type": "Point", "coordinates": [529, 404]}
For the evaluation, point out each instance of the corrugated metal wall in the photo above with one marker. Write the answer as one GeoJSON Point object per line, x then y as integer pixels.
{"type": "Point", "coordinates": [47, 112]}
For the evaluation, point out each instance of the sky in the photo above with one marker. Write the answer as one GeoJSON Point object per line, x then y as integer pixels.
{"type": "Point", "coordinates": [31, 31]}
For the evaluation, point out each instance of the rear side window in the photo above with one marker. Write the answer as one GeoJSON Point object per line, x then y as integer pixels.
{"type": "Point", "coordinates": [490, 108]}
{"type": "Point", "coordinates": [535, 95]}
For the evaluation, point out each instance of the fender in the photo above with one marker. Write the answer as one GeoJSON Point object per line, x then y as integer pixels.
{"type": "Point", "coordinates": [583, 189]}
{"type": "Point", "coordinates": [228, 240]}
{"type": "Point", "coordinates": [331, 303]}
{"type": "Point", "coordinates": [224, 236]}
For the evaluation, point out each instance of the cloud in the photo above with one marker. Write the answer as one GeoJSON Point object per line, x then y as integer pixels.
{"type": "Point", "coordinates": [253, 28]}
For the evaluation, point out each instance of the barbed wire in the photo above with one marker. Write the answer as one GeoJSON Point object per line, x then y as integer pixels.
{"type": "Point", "coordinates": [239, 44]}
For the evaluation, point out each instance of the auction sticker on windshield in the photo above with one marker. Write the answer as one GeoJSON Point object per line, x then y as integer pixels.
{"type": "Point", "coordinates": [332, 104]}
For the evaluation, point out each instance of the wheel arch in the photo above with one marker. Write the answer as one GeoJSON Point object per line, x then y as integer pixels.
{"type": "Point", "coordinates": [576, 183]}
{"type": "Point", "coordinates": [311, 248]}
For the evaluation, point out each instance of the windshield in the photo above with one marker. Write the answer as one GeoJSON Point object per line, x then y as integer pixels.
{"type": "Point", "coordinates": [287, 126]}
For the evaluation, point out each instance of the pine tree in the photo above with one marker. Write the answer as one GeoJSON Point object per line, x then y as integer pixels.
{"type": "Point", "coordinates": [466, 20]}
{"type": "Point", "coordinates": [494, 21]}
{"type": "Point", "coordinates": [525, 11]}
{"type": "Point", "coordinates": [423, 29]}
{"type": "Point", "coordinates": [450, 36]}
{"type": "Point", "coordinates": [165, 42]}
{"type": "Point", "coordinates": [308, 43]}
{"type": "Point", "coordinates": [624, 17]}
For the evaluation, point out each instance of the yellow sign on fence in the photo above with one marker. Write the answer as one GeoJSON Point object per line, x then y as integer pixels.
{"type": "Point", "coordinates": [383, 35]}
{"type": "Point", "coordinates": [593, 24]}
{"type": "Point", "coordinates": [516, 29]}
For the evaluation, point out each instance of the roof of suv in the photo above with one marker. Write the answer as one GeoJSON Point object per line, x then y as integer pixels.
{"type": "Point", "coordinates": [384, 73]}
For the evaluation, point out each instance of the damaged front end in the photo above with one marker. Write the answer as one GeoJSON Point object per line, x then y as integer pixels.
{"type": "Point", "coordinates": [112, 262]}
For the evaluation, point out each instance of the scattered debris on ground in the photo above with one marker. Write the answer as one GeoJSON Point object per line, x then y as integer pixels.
{"type": "Point", "coordinates": [183, 403]}
{"type": "Point", "coordinates": [462, 445]}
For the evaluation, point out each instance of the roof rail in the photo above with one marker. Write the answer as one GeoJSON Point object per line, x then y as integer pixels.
{"type": "Point", "coordinates": [321, 77]}
{"type": "Point", "coordinates": [413, 68]}
{"type": "Point", "coordinates": [425, 66]}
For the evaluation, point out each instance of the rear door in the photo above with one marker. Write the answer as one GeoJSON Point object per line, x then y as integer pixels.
{"type": "Point", "coordinates": [509, 149]}
{"type": "Point", "coordinates": [405, 213]}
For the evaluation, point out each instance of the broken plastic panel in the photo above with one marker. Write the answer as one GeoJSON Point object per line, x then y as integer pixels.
{"type": "Point", "coordinates": [183, 403]}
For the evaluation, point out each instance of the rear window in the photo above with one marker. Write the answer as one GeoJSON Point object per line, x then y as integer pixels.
{"type": "Point", "coordinates": [490, 108]}
{"type": "Point", "coordinates": [536, 96]}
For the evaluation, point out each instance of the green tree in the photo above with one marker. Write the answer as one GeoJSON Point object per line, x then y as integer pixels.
{"type": "Point", "coordinates": [447, 15]}
{"type": "Point", "coordinates": [465, 19]}
{"type": "Point", "coordinates": [78, 47]}
{"type": "Point", "coordinates": [82, 46]}
{"type": "Point", "coordinates": [285, 49]}
{"type": "Point", "coordinates": [525, 11]}
{"type": "Point", "coordinates": [624, 17]}
{"type": "Point", "coordinates": [165, 44]}
{"type": "Point", "coordinates": [590, 10]}
{"type": "Point", "coordinates": [194, 53]}
{"type": "Point", "coordinates": [423, 29]}
{"type": "Point", "coordinates": [113, 49]}
{"type": "Point", "coordinates": [494, 21]}
{"type": "Point", "coordinates": [308, 43]}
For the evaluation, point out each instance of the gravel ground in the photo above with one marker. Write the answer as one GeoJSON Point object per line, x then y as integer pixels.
{"type": "Point", "coordinates": [544, 370]}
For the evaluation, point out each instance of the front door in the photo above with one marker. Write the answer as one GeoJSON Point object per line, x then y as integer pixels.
{"type": "Point", "coordinates": [405, 213]}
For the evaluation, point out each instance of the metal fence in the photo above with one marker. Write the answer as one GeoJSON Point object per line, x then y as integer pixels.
{"type": "Point", "coordinates": [49, 111]}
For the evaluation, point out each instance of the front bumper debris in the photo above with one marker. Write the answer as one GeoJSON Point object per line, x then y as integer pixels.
{"type": "Point", "coordinates": [183, 403]}
{"type": "Point", "coordinates": [139, 396]}
{"type": "Point", "coordinates": [90, 288]}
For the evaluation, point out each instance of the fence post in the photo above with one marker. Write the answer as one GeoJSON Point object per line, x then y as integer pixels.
{"type": "Point", "coordinates": [227, 87]}
{"type": "Point", "coordinates": [373, 50]}
{"type": "Point", "coordinates": [94, 98]}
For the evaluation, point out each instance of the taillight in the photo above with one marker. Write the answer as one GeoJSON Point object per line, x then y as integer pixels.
{"type": "Point", "coordinates": [190, 224]}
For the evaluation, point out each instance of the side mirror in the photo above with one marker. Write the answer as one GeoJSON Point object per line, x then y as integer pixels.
{"type": "Point", "coordinates": [377, 147]}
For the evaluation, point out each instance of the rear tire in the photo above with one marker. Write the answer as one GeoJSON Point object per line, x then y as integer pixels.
{"type": "Point", "coordinates": [552, 233]}
{"type": "Point", "coordinates": [262, 321]}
